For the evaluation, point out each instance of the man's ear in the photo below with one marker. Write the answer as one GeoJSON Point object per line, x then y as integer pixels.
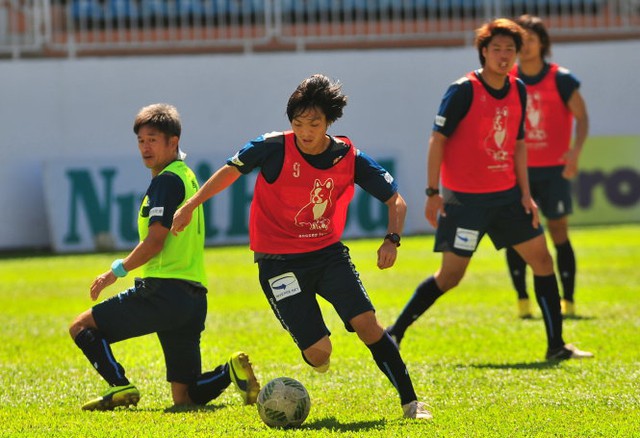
{"type": "Point", "coordinates": [174, 141]}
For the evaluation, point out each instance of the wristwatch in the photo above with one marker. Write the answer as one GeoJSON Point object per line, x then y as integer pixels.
{"type": "Point", "coordinates": [393, 238]}
{"type": "Point", "coordinates": [431, 191]}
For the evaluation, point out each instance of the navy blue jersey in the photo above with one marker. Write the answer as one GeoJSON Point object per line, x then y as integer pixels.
{"type": "Point", "coordinates": [457, 101]}
{"type": "Point", "coordinates": [566, 82]}
{"type": "Point", "coordinates": [166, 192]}
{"type": "Point", "coordinates": [267, 153]}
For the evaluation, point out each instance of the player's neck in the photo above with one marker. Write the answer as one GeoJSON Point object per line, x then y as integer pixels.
{"type": "Point", "coordinates": [493, 79]}
{"type": "Point", "coordinates": [531, 67]}
{"type": "Point", "coordinates": [315, 149]}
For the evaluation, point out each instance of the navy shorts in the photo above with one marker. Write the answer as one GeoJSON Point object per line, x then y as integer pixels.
{"type": "Point", "coordinates": [291, 286]}
{"type": "Point", "coordinates": [551, 191]}
{"type": "Point", "coordinates": [461, 230]}
{"type": "Point", "coordinates": [174, 309]}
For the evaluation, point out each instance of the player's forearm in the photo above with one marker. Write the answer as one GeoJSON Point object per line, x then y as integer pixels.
{"type": "Point", "coordinates": [220, 180]}
{"type": "Point", "coordinates": [520, 167]}
{"type": "Point", "coordinates": [434, 159]}
{"type": "Point", "coordinates": [143, 252]}
{"type": "Point", "coordinates": [397, 212]}
{"type": "Point", "coordinates": [581, 133]}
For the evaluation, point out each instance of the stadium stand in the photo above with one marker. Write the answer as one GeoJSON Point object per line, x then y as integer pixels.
{"type": "Point", "coordinates": [70, 28]}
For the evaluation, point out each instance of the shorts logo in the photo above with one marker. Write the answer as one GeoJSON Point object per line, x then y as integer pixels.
{"type": "Point", "coordinates": [466, 239]}
{"type": "Point", "coordinates": [156, 211]}
{"type": "Point", "coordinates": [284, 286]}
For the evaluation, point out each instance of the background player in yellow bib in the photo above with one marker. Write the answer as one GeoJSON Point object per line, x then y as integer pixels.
{"type": "Point", "coordinates": [171, 297]}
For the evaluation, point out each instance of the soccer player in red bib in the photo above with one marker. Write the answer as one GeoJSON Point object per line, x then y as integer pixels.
{"type": "Point", "coordinates": [477, 154]}
{"type": "Point", "coordinates": [298, 214]}
{"type": "Point", "coordinates": [554, 102]}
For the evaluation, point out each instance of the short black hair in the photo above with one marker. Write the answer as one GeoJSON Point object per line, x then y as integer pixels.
{"type": "Point", "coordinates": [499, 26]}
{"type": "Point", "coordinates": [318, 92]}
{"type": "Point", "coordinates": [535, 24]}
{"type": "Point", "coordinates": [162, 116]}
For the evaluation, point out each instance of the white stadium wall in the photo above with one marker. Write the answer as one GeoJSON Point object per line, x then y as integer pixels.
{"type": "Point", "coordinates": [70, 156]}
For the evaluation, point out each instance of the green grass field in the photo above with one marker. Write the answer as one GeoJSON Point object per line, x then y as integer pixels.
{"type": "Point", "coordinates": [478, 366]}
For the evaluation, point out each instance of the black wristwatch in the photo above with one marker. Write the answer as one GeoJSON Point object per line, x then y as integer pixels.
{"type": "Point", "coordinates": [393, 238]}
{"type": "Point", "coordinates": [431, 191]}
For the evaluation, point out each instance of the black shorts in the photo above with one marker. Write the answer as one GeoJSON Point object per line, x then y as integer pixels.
{"type": "Point", "coordinates": [551, 191]}
{"type": "Point", "coordinates": [461, 230]}
{"type": "Point", "coordinates": [174, 309]}
{"type": "Point", "coordinates": [291, 286]}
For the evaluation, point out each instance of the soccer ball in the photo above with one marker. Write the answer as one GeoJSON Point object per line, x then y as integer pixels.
{"type": "Point", "coordinates": [283, 402]}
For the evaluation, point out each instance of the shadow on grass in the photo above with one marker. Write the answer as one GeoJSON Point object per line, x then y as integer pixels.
{"type": "Point", "coordinates": [191, 408]}
{"type": "Point", "coordinates": [578, 318]}
{"type": "Point", "coordinates": [542, 365]}
{"type": "Point", "coordinates": [564, 317]}
{"type": "Point", "coordinates": [331, 423]}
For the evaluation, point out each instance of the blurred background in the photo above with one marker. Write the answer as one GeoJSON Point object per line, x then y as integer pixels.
{"type": "Point", "coordinates": [75, 72]}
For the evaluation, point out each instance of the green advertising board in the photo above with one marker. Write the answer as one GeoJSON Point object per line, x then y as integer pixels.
{"type": "Point", "coordinates": [607, 188]}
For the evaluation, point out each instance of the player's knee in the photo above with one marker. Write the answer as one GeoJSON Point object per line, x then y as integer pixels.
{"type": "Point", "coordinates": [75, 327]}
{"type": "Point", "coordinates": [319, 353]}
{"type": "Point", "coordinates": [83, 321]}
{"type": "Point", "coordinates": [180, 394]}
{"type": "Point", "coordinates": [542, 264]}
{"type": "Point", "coordinates": [449, 280]}
{"type": "Point", "coordinates": [367, 327]}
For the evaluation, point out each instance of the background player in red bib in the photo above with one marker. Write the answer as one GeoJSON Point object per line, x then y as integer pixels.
{"type": "Point", "coordinates": [477, 153]}
{"type": "Point", "coordinates": [298, 214]}
{"type": "Point", "coordinates": [553, 103]}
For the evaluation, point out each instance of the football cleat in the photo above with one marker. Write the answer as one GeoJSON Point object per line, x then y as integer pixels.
{"type": "Point", "coordinates": [417, 410]}
{"type": "Point", "coordinates": [243, 377]}
{"type": "Point", "coordinates": [524, 308]}
{"type": "Point", "coordinates": [568, 352]}
{"type": "Point", "coordinates": [567, 308]}
{"type": "Point", "coordinates": [114, 397]}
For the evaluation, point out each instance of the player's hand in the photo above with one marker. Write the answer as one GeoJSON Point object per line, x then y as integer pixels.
{"type": "Point", "coordinates": [102, 281]}
{"type": "Point", "coordinates": [571, 167]}
{"type": "Point", "coordinates": [434, 205]}
{"type": "Point", "coordinates": [531, 208]}
{"type": "Point", "coordinates": [387, 254]}
{"type": "Point", "coordinates": [181, 218]}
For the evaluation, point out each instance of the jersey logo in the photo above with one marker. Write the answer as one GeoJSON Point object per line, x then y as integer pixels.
{"type": "Point", "coordinates": [312, 214]}
{"type": "Point", "coordinates": [535, 127]}
{"type": "Point", "coordinates": [494, 142]}
{"type": "Point", "coordinates": [156, 212]}
{"type": "Point", "coordinates": [236, 160]}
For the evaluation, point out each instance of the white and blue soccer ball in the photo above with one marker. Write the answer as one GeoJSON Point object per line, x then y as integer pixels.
{"type": "Point", "coordinates": [283, 402]}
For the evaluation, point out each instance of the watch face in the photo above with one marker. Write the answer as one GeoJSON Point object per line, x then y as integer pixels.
{"type": "Point", "coordinates": [394, 238]}
{"type": "Point", "coordinates": [431, 192]}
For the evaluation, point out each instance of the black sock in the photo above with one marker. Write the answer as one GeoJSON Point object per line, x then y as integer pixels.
{"type": "Point", "coordinates": [96, 348]}
{"type": "Point", "coordinates": [424, 296]}
{"type": "Point", "coordinates": [549, 301]}
{"type": "Point", "coordinates": [210, 385]}
{"type": "Point", "coordinates": [566, 261]}
{"type": "Point", "coordinates": [387, 357]}
{"type": "Point", "coordinates": [518, 271]}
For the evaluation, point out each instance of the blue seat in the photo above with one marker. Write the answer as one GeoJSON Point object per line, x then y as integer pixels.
{"type": "Point", "coordinates": [87, 10]}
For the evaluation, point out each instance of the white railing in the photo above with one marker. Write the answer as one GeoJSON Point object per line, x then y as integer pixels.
{"type": "Point", "coordinates": [82, 27]}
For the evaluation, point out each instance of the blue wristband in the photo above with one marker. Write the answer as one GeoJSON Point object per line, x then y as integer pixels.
{"type": "Point", "coordinates": [118, 268]}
